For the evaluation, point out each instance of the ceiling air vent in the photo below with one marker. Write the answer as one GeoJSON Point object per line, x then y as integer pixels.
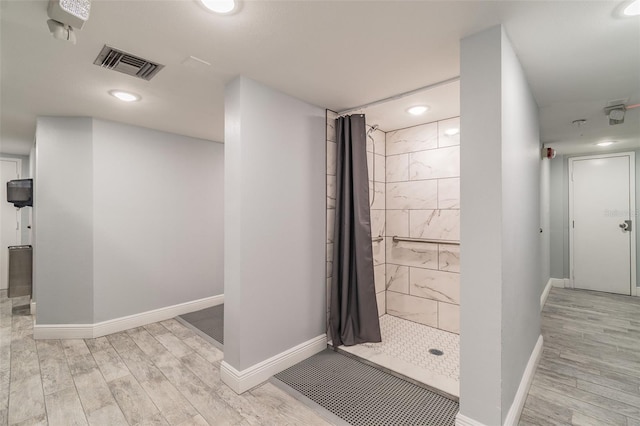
{"type": "Point", "coordinates": [126, 63]}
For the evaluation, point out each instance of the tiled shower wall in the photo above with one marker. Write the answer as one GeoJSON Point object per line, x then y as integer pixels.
{"type": "Point", "coordinates": [376, 183]}
{"type": "Point", "coordinates": [423, 201]}
{"type": "Point", "coordinates": [417, 187]}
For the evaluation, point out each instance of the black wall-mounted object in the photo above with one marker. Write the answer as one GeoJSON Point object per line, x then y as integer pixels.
{"type": "Point", "coordinates": [20, 192]}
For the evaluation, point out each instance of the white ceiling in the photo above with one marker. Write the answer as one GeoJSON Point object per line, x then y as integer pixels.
{"type": "Point", "coordinates": [336, 54]}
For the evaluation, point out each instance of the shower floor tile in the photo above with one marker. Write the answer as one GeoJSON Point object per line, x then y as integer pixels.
{"type": "Point", "coordinates": [405, 350]}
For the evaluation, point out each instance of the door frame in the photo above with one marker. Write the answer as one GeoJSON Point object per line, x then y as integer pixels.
{"type": "Point", "coordinates": [633, 213]}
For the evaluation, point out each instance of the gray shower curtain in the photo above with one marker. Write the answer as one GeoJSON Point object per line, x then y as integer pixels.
{"type": "Point", "coordinates": [353, 316]}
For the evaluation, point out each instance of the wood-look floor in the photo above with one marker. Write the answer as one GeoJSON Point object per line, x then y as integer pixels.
{"type": "Point", "coordinates": [589, 373]}
{"type": "Point", "coordinates": [160, 374]}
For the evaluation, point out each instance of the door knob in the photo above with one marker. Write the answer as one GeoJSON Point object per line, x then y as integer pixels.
{"type": "Point", "coordinates": [626, 225]}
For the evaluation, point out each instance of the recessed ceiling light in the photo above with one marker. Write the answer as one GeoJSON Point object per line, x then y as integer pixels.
{"type": "Point", "coordinates": [219, 6]}
{"type": "Point", "coordinates": [124, 96]}
{"type": "Point", "coordinates": [418, 110]}
{"type": "Point", "coordinates": [606, 143]}
{"type": "Point", "coordinates": [632, 9]}
{"type": "Point", "coordinates": [452, 132]}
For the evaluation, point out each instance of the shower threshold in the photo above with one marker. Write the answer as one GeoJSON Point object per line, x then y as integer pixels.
{"type": "Point", "coordinates": [412, 351]}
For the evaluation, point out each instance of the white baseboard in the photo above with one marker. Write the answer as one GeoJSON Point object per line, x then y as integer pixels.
{"type": "Point", "coordinates": [89, 331]}
{"type": "Point", "coordinates": [462, 420]}
{"type": "Point", "coordinates": [32, 308]}
{"type": "Point", "coordinates": [62, 331]}
{"type": "Point", "coordinates": [242, 381]}
{"type": "Point", "coordinates": [513, 416]}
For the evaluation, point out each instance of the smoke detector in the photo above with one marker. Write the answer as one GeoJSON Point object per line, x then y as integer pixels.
{"type": "Point", "coordinates": [73, 13]}
{"type": "Point", "coordinates": [65, 16]}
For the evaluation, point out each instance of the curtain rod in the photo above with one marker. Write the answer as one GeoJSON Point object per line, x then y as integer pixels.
{"type": "Point", "coordinates": [401, 95]}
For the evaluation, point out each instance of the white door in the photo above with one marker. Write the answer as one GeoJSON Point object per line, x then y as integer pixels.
{"type": "Point", "coordinates": [9, 217]}
{"type": "Point", "coordinates": [602, 222]}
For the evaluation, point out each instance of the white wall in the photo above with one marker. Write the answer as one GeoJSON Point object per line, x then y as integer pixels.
{"type": "Point", "coordinates": [274, 222]}
{"type": "Point", "coordinates": [522, 281]}
{"type": "Point", "coordinates": [500, 220]}
{"type": "Point", "coordinates": [128, 220]}
{"type": "Point", "coordinates": [481, 227]}
{"type": "Point", "coordinates": [158, 219]}
{"type": "Point", "coordinates": [63, 219]}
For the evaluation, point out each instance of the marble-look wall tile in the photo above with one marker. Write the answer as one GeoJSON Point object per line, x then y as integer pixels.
{"type": "Point", "coordinates": [436, 285]}
{"type": "Point", "coordinates": [449, 258]}
{"type": "Point", "coordinates": [380, 168]}
{"type": "Point", "coordinates": [331, 125]}
{"type": "Point", "coordinates": [379, 253]}
{"type": "Point", "coordinates": [381, 299]}
{"type": "Point", "coordinates": [405, 253]}
{"type": "Point", "coordinates": [331, 192]}
{"type": "Point", "coordinates": [377, 223]}
{"type": "Point", "coordinates": [423, 201]}
{"type": "Point", "coordinates": [449, 317]}
{"type": "Point", "coordinates": [379, 274]}
{"type": "Point", "coordinates": [397, 223]}
{"type": "Point", "coordinates": [332, 149]}
{"type": "Point", "coordinates": [328, 300]}
{"type": "Point", "coordinates": [435, 163]}
{"type": "Point", "coordinates": [379, 200]}
{"type": "Point", "coordinates": [446, 132]}
{"type": "Point", "coordinates": [379, 138]}
{"type": "Point", "coordinates": [449, 193]}
{"type": "Point", "coordinates": [331, 217]}
{"type": "Point", "coordinates": [398, 278]}
{"type": "Point", "coordinates": [436, 224]}
{"type": "Point", "coordinates": [329, 260]}
{"type": "Point", "coordinates": [412, 139]}
{"type": "Point", "coordinates": [397, 168]}
{"type": "Point", "coordinates": [417, 309]}
{"type": "Point", "coordinates": [330, 252]}
{"type": "Point", "coordinates": [412, 195]}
